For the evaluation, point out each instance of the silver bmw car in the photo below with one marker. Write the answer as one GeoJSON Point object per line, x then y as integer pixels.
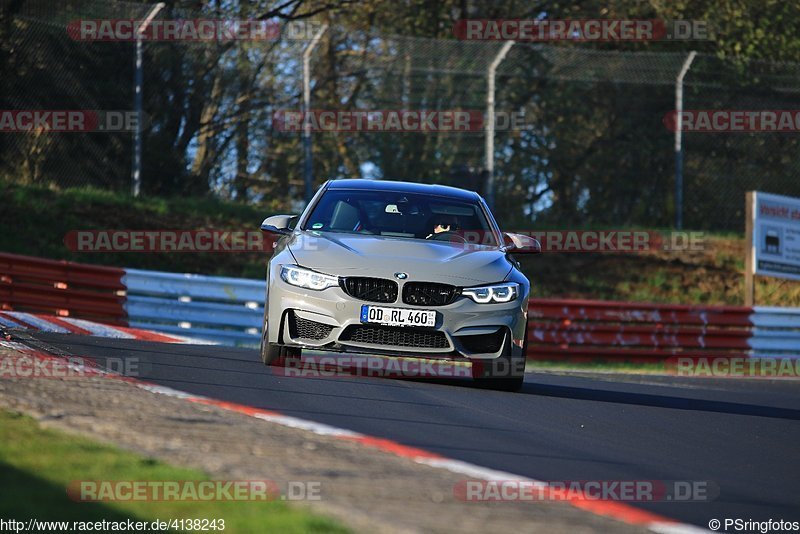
{"type": "Point", "coordinates": [398, 269]}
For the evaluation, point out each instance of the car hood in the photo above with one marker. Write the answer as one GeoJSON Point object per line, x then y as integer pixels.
{"type": "Point", "coordinates": [382, 257]}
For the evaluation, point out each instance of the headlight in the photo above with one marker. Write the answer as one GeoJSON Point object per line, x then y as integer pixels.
{"type": "Point", "coordinates": [496, 293]}
{"type": "Point", "coordinates": [297, 276]}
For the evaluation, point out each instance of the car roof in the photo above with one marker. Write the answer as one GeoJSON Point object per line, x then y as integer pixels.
{"type": "Point", "coordinates": [404, 187]}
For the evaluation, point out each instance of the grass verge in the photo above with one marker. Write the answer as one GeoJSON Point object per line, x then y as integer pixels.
{"type": "Point", "coordinates": [37, 464]}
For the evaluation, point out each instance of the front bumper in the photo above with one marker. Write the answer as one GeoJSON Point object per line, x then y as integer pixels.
{"type": "Point", "coordinates": [330, 320]}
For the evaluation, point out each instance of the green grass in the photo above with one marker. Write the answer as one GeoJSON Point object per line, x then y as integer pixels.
{"type": "Point", "coordinates": [36, 466]}
{"type": "Point", "coordinates": [40, 217]}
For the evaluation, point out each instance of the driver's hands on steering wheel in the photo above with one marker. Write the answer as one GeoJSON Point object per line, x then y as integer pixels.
{"type": "Point", "coordinates": [447, 236]}
{"type": "Point", "coordinates": [439, 229]}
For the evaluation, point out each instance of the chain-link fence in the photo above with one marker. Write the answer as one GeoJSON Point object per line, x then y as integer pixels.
{"type": "Point", "coordinates": [592, 148]}
{"type": "Point", "coordinates": [595, 148]}
{"type": "Point", "coordinates": [44, 69]}
{"type": "Point", "coordinates": [721, 167]}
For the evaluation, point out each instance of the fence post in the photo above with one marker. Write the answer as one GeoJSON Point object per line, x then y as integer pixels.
{"type": "Point", "coordinates": [679, 140]}
{"type": "Point", "coordinates": [136, 171]}
{"type": "Point", "coordinates": [136, 174]}
{"type": "Point", "coordinates": [490, 74]}
{"type": "Point", "coordinates": [308, 170]}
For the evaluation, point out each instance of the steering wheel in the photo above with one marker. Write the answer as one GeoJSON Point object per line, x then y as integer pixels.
{"type": "Point", "coordinates": [448, 236]}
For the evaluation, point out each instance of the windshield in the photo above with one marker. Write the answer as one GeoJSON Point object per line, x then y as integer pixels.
{"type": "Point", "coordinates": [399, 214]}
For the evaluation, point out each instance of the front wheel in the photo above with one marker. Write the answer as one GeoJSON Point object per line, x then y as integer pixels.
{"type": "Point", "coordinates": [278, 355]}
{"type": "Point", "coordinates": [505, 373]}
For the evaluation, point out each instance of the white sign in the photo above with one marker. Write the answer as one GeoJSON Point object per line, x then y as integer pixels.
{"type": "Point", "coordinates": [776, 236]}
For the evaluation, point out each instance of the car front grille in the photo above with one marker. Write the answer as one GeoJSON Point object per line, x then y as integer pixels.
{"type": "Point", "coordinates": [370, 289]}
{"type": "Point", "coordinates": [429, 294]}
{"type": "Point", "coordinates": [300, 328]}
{"type": "Point", "coordinates": [395, 336]}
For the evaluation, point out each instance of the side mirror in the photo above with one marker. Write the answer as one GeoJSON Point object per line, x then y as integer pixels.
{"type": "Point", "coordinates": [521, 244]}
{"type": "Point", "coordinates": [278, 224]}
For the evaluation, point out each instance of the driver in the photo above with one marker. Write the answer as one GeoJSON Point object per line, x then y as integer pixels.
{"type": "Point", "coordinates": [443, 224]}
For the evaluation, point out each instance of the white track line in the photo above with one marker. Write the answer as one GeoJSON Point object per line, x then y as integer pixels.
{"type": "Point", "coordinates": [98, 329]}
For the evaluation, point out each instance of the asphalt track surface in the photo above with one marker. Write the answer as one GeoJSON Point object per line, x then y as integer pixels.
{"type": "Point", "coordinates": [740, 435]}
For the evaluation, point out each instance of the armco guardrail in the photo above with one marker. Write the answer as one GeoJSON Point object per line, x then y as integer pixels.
{"type": "Point", "coordinates": [62, 288]}
{"type": "Point", "coordinates": [229, 310]}
{"type": "Point", "coordinates": [585, 329]}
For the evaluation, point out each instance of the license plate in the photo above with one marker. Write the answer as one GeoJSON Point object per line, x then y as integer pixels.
{"type": "Point", "coordinates": [397, 316]}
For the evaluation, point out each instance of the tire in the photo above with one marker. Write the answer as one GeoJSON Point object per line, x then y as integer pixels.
{"type": "Point", "coordinates": [501, 374]}
{"type": "Point", "coordinates": [278, 355]}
